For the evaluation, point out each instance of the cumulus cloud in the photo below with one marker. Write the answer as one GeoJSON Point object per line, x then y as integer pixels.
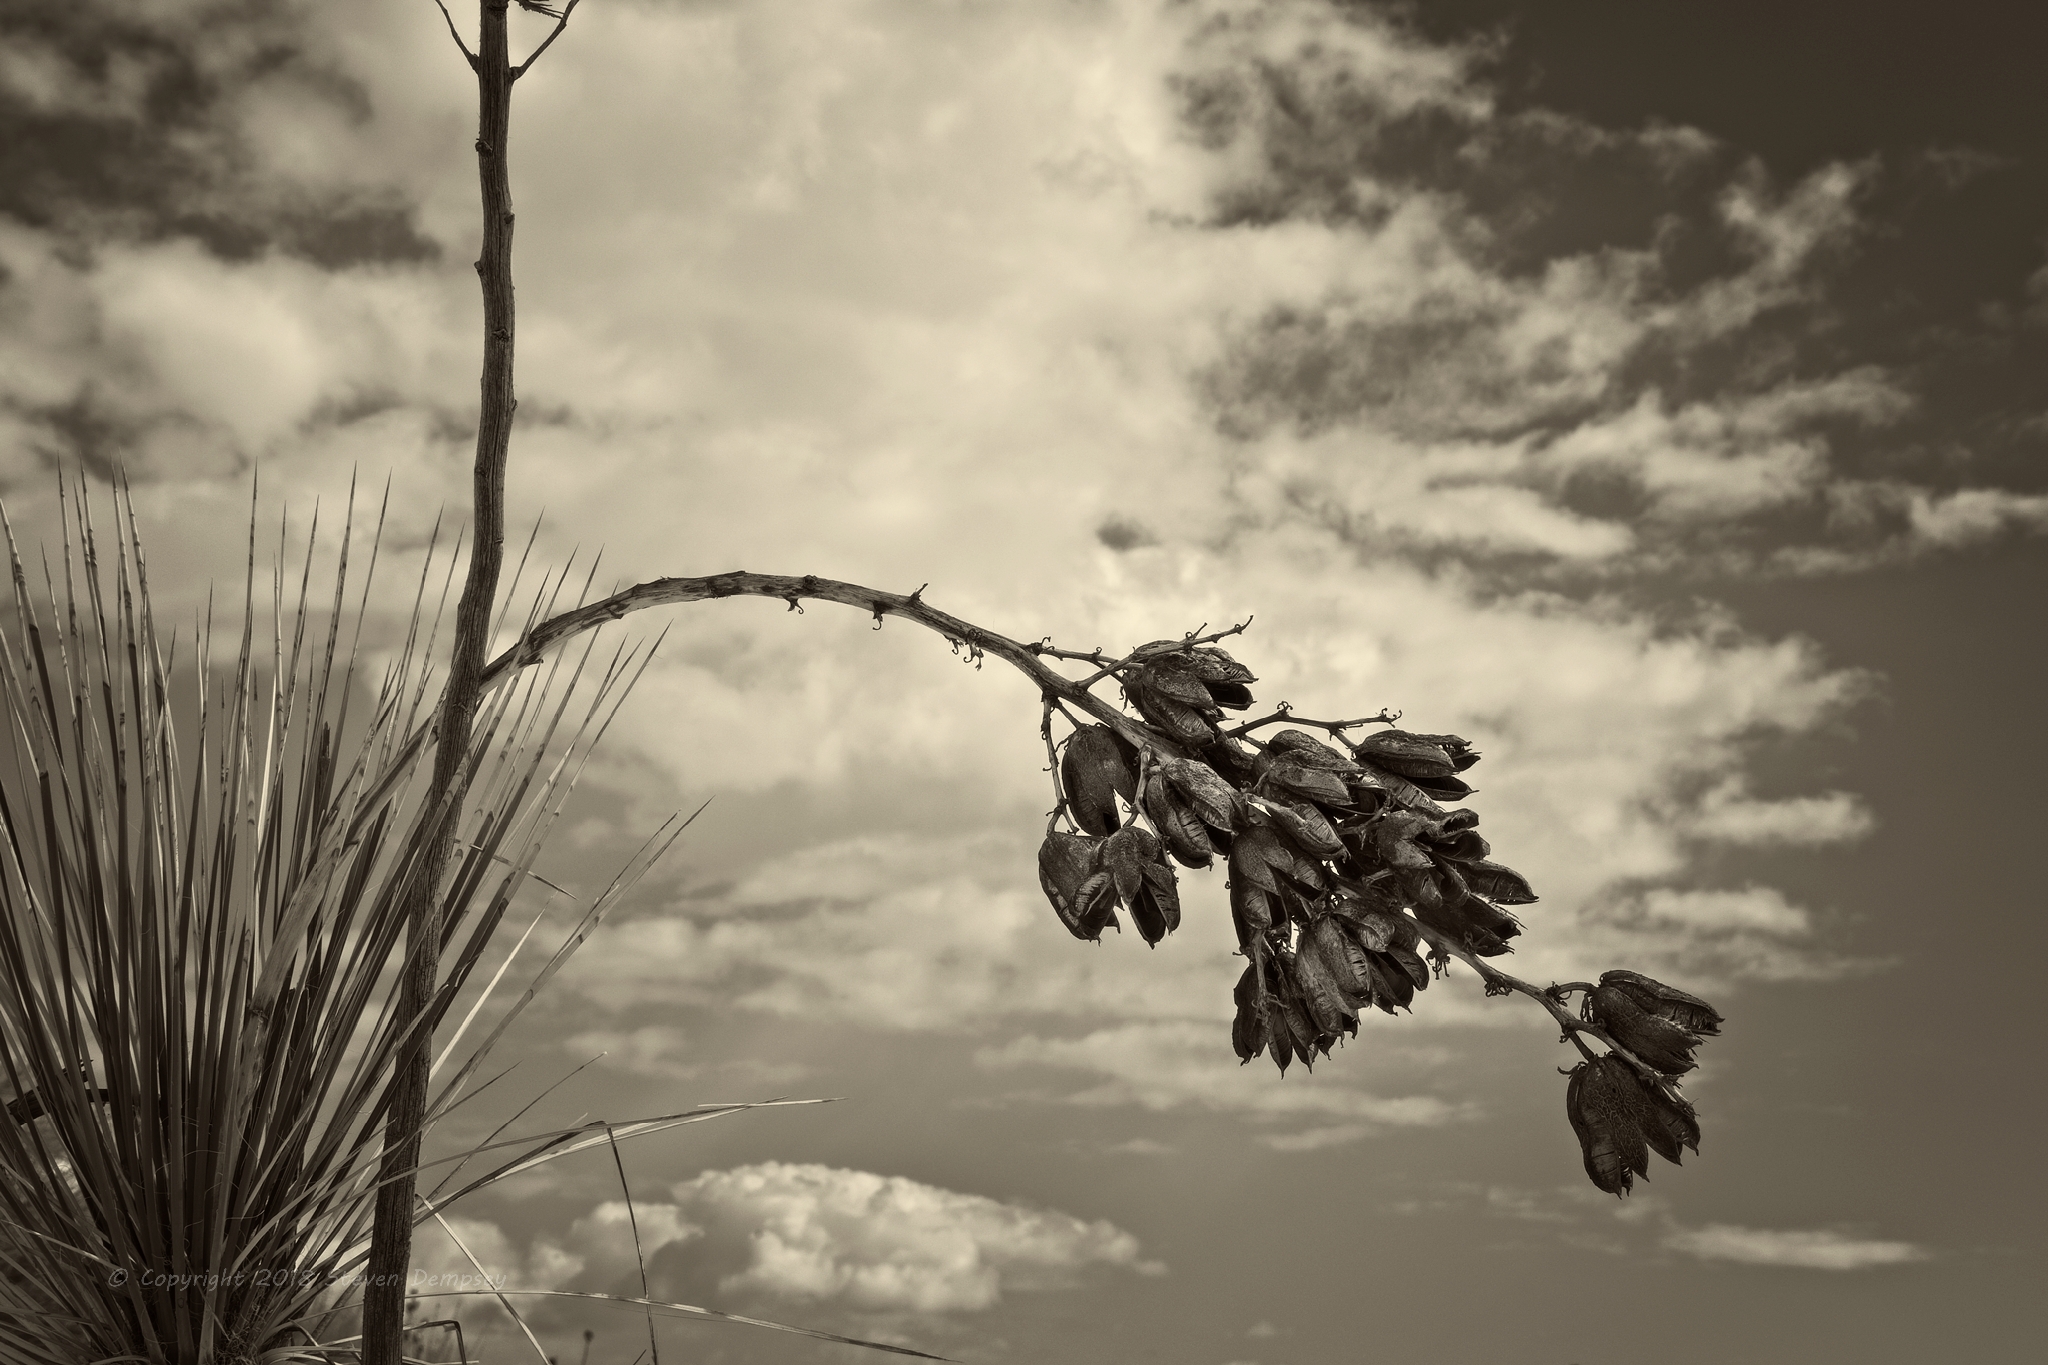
{"type": "Point", "coordinates": [805, 1232]}
{"type": "Point", "coordinates": [885, 1242]}
{"type": "Point", "coordinates": [1728, 814]}
{"type": "Point", "coordinates": [1806, 1250]}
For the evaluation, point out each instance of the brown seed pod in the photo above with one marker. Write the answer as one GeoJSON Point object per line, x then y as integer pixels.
{"type": "Point", "coordinates": [1445, 788]}
{"type": "Point", "coordinates": [1651, 1037]}
{"type": "Point", "coordinates": [1187, 839]}
{"type": "Point", "coordinates": [1460, 750]}
{"type": "Point", "coordinates": [1224, 676]}
{"type": "Point", "coordinates": [1168, 695]}
{"type": "Point", "coordinates": [1094, 773]}
{"type": "Point", "coordinates": [1306, 749]}
{"type": "Point", "coordinates": [1199, 787]}
{"type": "Point", "coordinates": [1502, 885]}
{"type": "Point", "coordinates": [1465, 845]}
{"type": "Point", "coordinates": [1124, 855]}
{"type": "Point", "coordinates": [1399, 790]}
{"type": "Point", "coordinates": [1322, 971]}
{"type": "Point", "coordinates": [1254, 911]}
{"type": "Point", "coordinates": [1620, 1118]}
{"type": "Point", "coordinates": [1300, 780]}
{"type": "Point", "coordinates": [1301, 822]}
{"type": "Point", "coordinates": [1409, 755]}
{"type": "Point", "coordinates": [1687, 1011]}
{"type": "Point", "coordinates": [1605, 1104]}
{"type": "Point", "coordinates": [1248, 1031]}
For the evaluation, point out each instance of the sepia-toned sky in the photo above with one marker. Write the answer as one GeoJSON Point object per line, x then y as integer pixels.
{"type": "Point", "coordinates": [1650, 393]}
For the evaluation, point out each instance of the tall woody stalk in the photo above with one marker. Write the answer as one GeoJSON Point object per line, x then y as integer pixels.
{"type": "Point", "coordinates": [391, 1235]}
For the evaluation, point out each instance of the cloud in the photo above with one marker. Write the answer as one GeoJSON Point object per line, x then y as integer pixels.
{"type": "Point", "coordinates": [1973, 514]}
{"type": "Point", "coordinates": [1714, 938]}
{"type": "Point", "coordinates": [807, 1232]}
{"type": "Point", "coordinates": [1727, 814]}
{"type": "Point", "coordinates": [1169, 1066]}
{"type": "Point", "coordinates": [1579, 1213]}
{"type": "Point", "coordinates": [883, 1243]}
{"type": "Point", "coordinates": [1817, 1250]}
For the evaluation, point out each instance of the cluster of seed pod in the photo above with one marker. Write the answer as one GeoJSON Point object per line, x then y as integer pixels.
{"type": "Point", "coordinates": [1330, 849]}
{"type": "Point", "coordinates": [1352, 871]}
{"type": "Point", "coordinates": [1619, 1114]}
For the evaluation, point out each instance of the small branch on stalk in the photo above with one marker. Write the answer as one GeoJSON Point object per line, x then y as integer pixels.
{"type": "Point", "coordinates": [1335, 727]}
{"type": "Point", "coordinates": [1094, 656]}
{"type": "Point", "coordinates": [467, 54]}
{"type": "Point", "coordinates": [1498, 982]}
{"type": "Point", "coordinates": [561, 19]}
{"type": "Point", "coordinates": [1143, 652]}
{"type": "Point", "coordinates": [1106, 665]}
{"type": "Point", "coordinates": [1052, 763]}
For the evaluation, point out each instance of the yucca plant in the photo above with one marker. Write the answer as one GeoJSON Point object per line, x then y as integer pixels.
{"type": "Point", "coordinates": [203, 881]}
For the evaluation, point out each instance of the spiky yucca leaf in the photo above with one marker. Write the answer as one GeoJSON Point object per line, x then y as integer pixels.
{"type": "Point", "coordinates": [202, 879]}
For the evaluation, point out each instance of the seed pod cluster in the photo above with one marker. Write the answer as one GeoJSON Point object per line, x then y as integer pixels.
{"type": "Point", "coordinates": [1619, 1114]}
{"type": "Point", "coordinates": [1353, 867]}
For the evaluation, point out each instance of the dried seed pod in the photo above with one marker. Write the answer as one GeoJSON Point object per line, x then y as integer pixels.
{"type": "Point", "coordinates": [1457, 820]}
{"type": "Point", "coordinates": [1321, 972]}
{"type": "Point", "coordinates": [1167, 694]}
{"type": "Point", "coordinates": [1403, 854]}
{"type": "Point", "coordinates": [1253, 859]}
{"type": "Point", "coordinates": [1409, 755]}
{"type": "Point", "coordinates": [1481, 927]}
{"type": "Point", "coordinates": [1374, 928]}
{"type": "Point", "coordinates": [1674, 1125]}
{"type": "Point", "coordinates": [1124, 855]}
{"type": "Point", "coordinates": [1280, 1033]}
{"type": "Point", "coordinates": [1392, 988]}
{"type": "Point", "coordinates": [1410, 962]}
{"type": "Point", "coordinates": [1503, 885]}
{"type": "Point", "coordinates": [1445, 788]}
{"type": "Point", "coordinates": [1306, 1038]}
{"type": "Point", "coordinates": [1135, 863]}
{"type": "Point", "coordinates": [1298, 779]}
{"type": "Point", "coordinates": [1094, 773]}
{"type": "Point", "coordinates": [1230, 760]}
{"type": "Point", "coordinates": [1460, 750]}
{"type": "Point", "coordinates": [1620, 1118]}
{"type": "Point", "coordinates": [1687, 1011]}
{"type": "Point", "coordinates": [1224, 676]}
{"type": "Point", "coordinates": [1304, 824]}
{"type": "Point", "coordinates": [1253, 910]}
{"type": "Point", "coordinates": [1262, 856]}
{"type": "Point", "coordinates": [1651, 1037]}
{"type": "Point", "coordinates": [1466, 845]}
{"type": "Point", "coordinates": [1186, 837]}
{"type": "Point", "coordinates": [1248, 1031]}
{"type": "Point", "coordinates": [1069, 870]}
{"type": "Point", "coordinates": [1607, 1109]}
{"type": "Point", "coordinates": [1369, 795]}
{"type": "Point", "coordinates": [1306, 749]}
{"type": "Point", "coordinates": [1397, 789]}
{"type": "Point", "coordinates": [1212, 799]}
{"type": "Point", "coordinates": [1164, 889]}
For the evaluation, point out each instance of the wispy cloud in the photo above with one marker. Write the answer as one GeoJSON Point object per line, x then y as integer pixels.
{"type": "Point", "coordinates": [1811, 1250]}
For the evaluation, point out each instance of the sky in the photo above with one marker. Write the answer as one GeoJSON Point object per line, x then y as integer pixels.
{"type": "Point", "coordinates": [1648, 393]}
